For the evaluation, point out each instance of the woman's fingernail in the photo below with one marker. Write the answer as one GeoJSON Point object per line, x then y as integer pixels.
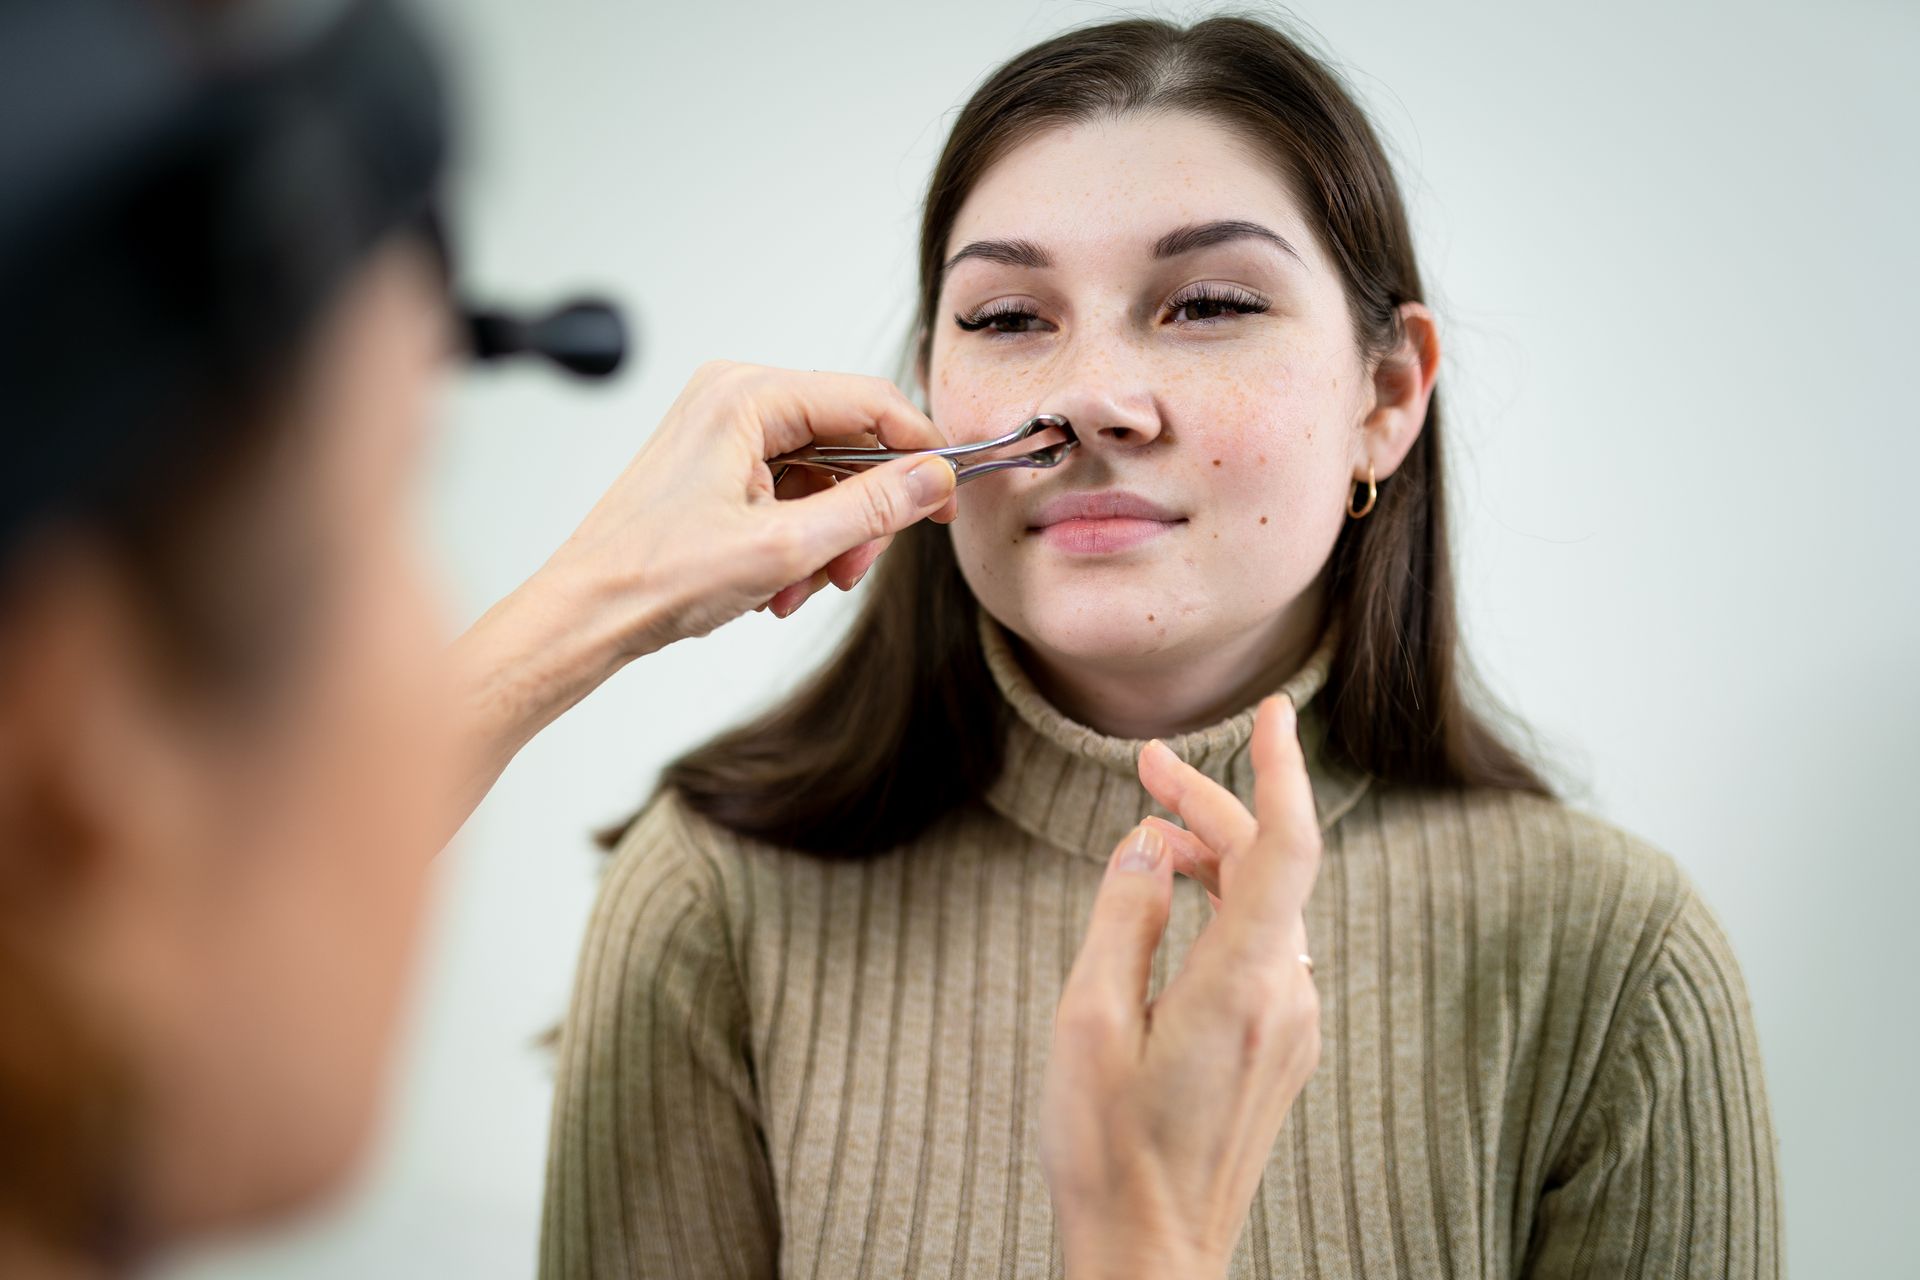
{"type": "Point", "coordinates": [1144, 849]}
{"type": "Point", "coordinates": [930, 481]}
{"type": "Point", "coordinates": [1287, 716]}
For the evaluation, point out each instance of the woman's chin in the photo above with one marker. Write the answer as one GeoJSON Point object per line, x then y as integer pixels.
{"type": "Point", "coordinates": [1111, 634]}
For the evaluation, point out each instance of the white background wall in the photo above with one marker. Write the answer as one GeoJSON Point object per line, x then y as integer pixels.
{"type": "Point", "coordinates": [1673, 251]}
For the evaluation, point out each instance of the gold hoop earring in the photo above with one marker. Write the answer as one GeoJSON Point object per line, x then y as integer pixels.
{"type": "Point", "coordinates": [1372, 493]}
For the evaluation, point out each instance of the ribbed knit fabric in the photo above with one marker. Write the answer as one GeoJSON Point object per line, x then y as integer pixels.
{"type": "Point", "coordinates": [1538, 1057]}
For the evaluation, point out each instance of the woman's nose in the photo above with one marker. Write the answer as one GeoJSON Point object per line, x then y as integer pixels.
{"type": "Point", "coordinates": [1108, 409]}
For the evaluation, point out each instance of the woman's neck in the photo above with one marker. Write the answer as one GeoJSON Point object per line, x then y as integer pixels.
{"type": "Point", "coordinates": [1177, 692]}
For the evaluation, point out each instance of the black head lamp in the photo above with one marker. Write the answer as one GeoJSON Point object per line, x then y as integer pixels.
{"type": "Point", "coordinates": [183, 188]}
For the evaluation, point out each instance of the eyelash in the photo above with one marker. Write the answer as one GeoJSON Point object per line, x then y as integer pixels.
{"type": "Point", "coordinates": [1229, 298]}
{"type": "Point", "coordinates": [995, 311]}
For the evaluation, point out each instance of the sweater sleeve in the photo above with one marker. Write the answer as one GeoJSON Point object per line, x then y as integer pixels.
{"type": "Point", "coordinates": [1671, 1168]}
{"type": "Point", "coordinates": [656, 1165]}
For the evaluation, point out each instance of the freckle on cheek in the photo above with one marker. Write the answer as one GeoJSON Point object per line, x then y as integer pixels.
{"type": "Point", "coordinates": [1216, 462]}
{"type": "Point", "coordinates": [1263, 519]}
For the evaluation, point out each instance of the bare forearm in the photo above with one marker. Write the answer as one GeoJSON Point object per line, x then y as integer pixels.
{"type": "Point", "coordinates": [688, 537]}
{"type": "Point", "coordinates": [528, 659]}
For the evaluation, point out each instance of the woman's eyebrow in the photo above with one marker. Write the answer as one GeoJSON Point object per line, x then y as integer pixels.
{"type": "Point", "coordinates": [1012, 253]}
{"type": "Point", "coordinates": [1201, 235]}
{"type": "Point", "coordinates": [1198, 235]}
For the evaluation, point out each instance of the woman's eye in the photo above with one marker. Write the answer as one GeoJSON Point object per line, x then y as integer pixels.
{"type": "Point", "coordinates": [1212, 304]}
{"type": "Point", "coordinates": [1003, 320]}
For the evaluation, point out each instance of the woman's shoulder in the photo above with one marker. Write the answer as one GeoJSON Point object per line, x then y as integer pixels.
{"type": "Point", "coordinates": [670, 853]}
{"type": "Point", "coordinates": [1545, 830]}
{"type": "Point", "coordinates": [1580, 920]}
{"type": "Point", "coordinates": [1550, 867]}
{"type": "Point", "coordinates": [674, 898]}
{"type": "Point", "coordinates": [671, 841]}
{"type": "Point", "coordinates": [666, 828]}
{"type": "Point", "coordinates": [1527, 827]}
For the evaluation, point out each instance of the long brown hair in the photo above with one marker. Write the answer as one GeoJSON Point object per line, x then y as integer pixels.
{"type": "Point", "coordinates": [903, 724]}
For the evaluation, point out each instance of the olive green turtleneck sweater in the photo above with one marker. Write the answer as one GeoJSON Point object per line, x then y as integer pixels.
{"type": "Point", "coordinates": [1538, 1056]}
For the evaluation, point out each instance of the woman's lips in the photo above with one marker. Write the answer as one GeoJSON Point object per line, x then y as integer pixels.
{"type": "Point", "coordinates": [1101, 522]}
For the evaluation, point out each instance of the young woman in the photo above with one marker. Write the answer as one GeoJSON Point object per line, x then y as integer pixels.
{"type": "Point", "coordinates": [810, 1019]}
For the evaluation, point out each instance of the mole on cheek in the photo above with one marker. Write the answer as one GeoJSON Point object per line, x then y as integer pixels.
{"type": "Point", "coordinates": [1216, 462]}
{"type": "Point", "coordinates": [1263, 519]}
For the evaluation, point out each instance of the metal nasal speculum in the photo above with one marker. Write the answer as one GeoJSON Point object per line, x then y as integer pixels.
{"type": "Point", "coordinates": [849, 460]}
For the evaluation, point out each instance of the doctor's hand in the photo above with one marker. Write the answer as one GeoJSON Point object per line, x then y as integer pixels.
{"type": "Point", "coordinates": [690, 536]}
{"type": "Point", "coordinates": [1160, 1117]}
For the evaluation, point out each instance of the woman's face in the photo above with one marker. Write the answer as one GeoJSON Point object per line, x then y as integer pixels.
{"type": "Point", "coordinates": [1152, 278]}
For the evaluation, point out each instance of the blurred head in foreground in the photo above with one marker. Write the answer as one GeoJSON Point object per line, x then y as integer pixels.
{"type": "Point", "coordinates": [219, 731]}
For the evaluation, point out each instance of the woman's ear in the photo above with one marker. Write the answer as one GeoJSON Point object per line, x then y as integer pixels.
{"type": "Point", "coordinates": [84, 773]}
{"type": "Point", "coordinates": [48, 834]}
{"type": "Point", "coordinates": [1402, 387]}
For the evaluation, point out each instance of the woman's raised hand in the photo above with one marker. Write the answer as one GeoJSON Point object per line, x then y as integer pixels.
{"type": "Point", "coordinates": [1160, 1117]}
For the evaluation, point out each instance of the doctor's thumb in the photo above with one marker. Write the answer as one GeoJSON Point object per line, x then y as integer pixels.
{"type": "Point", "coordinates": [862, 508]}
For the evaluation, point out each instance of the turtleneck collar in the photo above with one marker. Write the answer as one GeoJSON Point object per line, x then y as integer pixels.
{"type": "Point", "coordinates": [1077, 788]}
